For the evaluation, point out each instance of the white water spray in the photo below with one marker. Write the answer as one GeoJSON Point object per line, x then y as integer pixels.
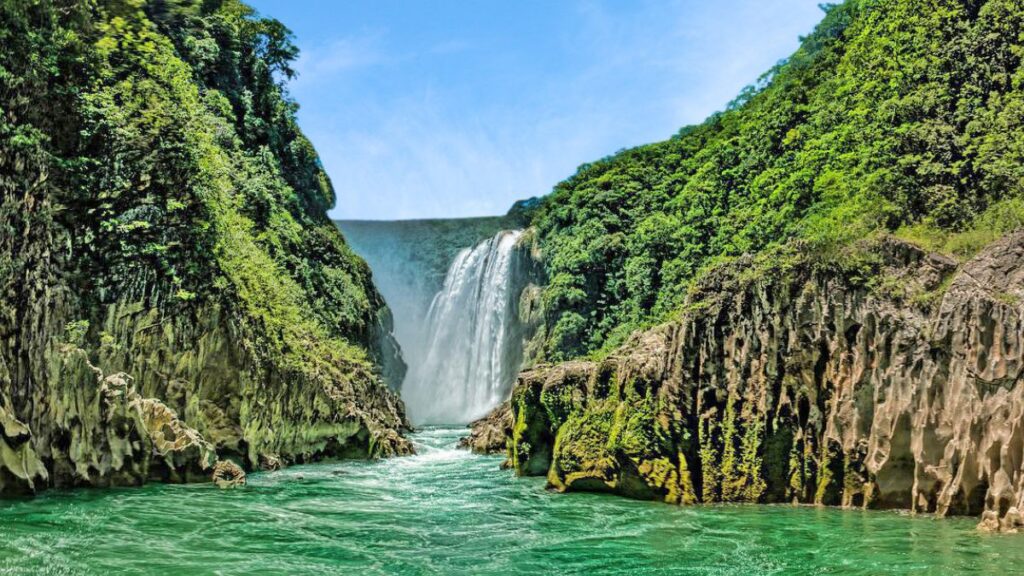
{"type": "Point", "coordinates": [474, 337]}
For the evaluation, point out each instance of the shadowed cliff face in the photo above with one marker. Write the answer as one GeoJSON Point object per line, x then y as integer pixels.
{"type": "Point", "coordinates": [798, 385]}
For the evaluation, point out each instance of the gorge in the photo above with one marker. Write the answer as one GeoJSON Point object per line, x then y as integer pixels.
{"type": "Point", "coordinates": [788, 339]}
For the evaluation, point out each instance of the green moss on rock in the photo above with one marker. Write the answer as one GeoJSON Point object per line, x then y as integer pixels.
{"type": "Point", "coordinates": [801, 387]}
{"type": "Point", "coordinates": [160, 201]}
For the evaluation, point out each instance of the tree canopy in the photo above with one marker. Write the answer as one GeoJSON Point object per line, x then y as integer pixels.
{"type": "Point", "coordinates": [896, 116]}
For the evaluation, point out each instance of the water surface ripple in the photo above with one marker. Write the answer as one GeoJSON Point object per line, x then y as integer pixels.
{"type": "Point", "coordinates": [446, 511]}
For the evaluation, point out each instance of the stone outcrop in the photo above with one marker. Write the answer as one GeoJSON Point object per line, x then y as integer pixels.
{"type": "Point", "coordinates": [785, 381]}
{"type": "Point", "coordinates": [66, 424]}
{"type": "Point", "coordinates": [227, 474]}
{"type": "Point", "coordinates": [489, 434]}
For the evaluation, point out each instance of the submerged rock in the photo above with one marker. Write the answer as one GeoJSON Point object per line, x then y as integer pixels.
{"type": "Point", "coordinates": [270, 462]}
{"type": "Point", "coordinates": [227, 474]}
{"type": "Point", "coordinates": [799, 384]}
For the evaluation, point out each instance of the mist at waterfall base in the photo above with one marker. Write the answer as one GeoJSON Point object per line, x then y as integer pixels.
{"type": "Point", "coordinates": [453, 287]}
{"type": "Point", "coordinates": [473, 342]}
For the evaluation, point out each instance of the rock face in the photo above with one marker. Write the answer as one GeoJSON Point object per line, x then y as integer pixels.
{"type": "Point", "coordinates": [175, 304]}
{"type": "Point", "coordinates": [489, 434]}
{"type": "Point", "coordinates": [800, 384]}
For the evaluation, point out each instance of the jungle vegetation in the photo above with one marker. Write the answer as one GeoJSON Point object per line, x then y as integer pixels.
{"type": "Point", "coordinates": [897, 117]}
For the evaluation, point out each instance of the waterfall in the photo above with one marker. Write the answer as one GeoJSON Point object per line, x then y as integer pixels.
{"type": "Point", "coordinates": [474, 346]}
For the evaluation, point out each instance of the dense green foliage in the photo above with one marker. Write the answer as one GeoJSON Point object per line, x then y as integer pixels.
{"type": "Point", "coordinates": [162, 216]}
{"type": "Point", "coordinates": [904, 116]}
{"type": "Point", "coordinates": [173, 166]}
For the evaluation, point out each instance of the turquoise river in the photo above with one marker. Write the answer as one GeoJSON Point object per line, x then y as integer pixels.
{"type": "Point", "coordinates": [446, 511]}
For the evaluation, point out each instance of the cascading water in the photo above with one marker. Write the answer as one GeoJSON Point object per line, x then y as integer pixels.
{"type": "Point", "coordinates": [474, 336]}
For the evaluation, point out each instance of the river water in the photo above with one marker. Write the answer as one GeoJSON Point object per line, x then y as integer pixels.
{"type": "Point", "coordinates": [446, 511]}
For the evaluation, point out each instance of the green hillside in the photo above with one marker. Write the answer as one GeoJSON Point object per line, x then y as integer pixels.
{"type": "Point", "coordinates": [163, 216]}
{"type": "Point", "coordinates": [901, 116]}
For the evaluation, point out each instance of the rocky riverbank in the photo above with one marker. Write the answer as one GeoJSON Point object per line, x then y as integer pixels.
{"type": "Point", "coordinates": [786, 381]}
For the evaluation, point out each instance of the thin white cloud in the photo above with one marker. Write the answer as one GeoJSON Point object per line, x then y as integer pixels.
{"type": "Point", "coordinates": [322, 64]}
{"type": "Point", "coordinates": [423, 152]}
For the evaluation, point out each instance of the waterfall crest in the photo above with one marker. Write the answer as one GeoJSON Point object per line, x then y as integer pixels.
{"type": "Point", "coordinates": [474, 336]}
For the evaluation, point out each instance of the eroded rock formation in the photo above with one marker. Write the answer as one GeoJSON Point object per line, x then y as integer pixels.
{"type": "Point", "coordinates": [68, 424]}
{"type": "Point", "coordinates": [488, 435]}
{"type": "Point", "coordinates": [162, 215]}
{"type": "Point", "coordinates": [800, 384]}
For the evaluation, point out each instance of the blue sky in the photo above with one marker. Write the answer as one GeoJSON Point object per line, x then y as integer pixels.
{"type": "Point", "coordinates": [458, 108]}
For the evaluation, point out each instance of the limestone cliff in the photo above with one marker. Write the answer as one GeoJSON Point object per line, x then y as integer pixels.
{"type": "Point", "coordinates": [789, 381]}
{"type": "Point", "coordinates": [174, 302]}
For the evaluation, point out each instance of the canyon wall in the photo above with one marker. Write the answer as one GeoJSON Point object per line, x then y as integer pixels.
{"type": "Point", "coordinates": [175, 304]}
{"type": "Point", "coordinates": [895, 386]}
